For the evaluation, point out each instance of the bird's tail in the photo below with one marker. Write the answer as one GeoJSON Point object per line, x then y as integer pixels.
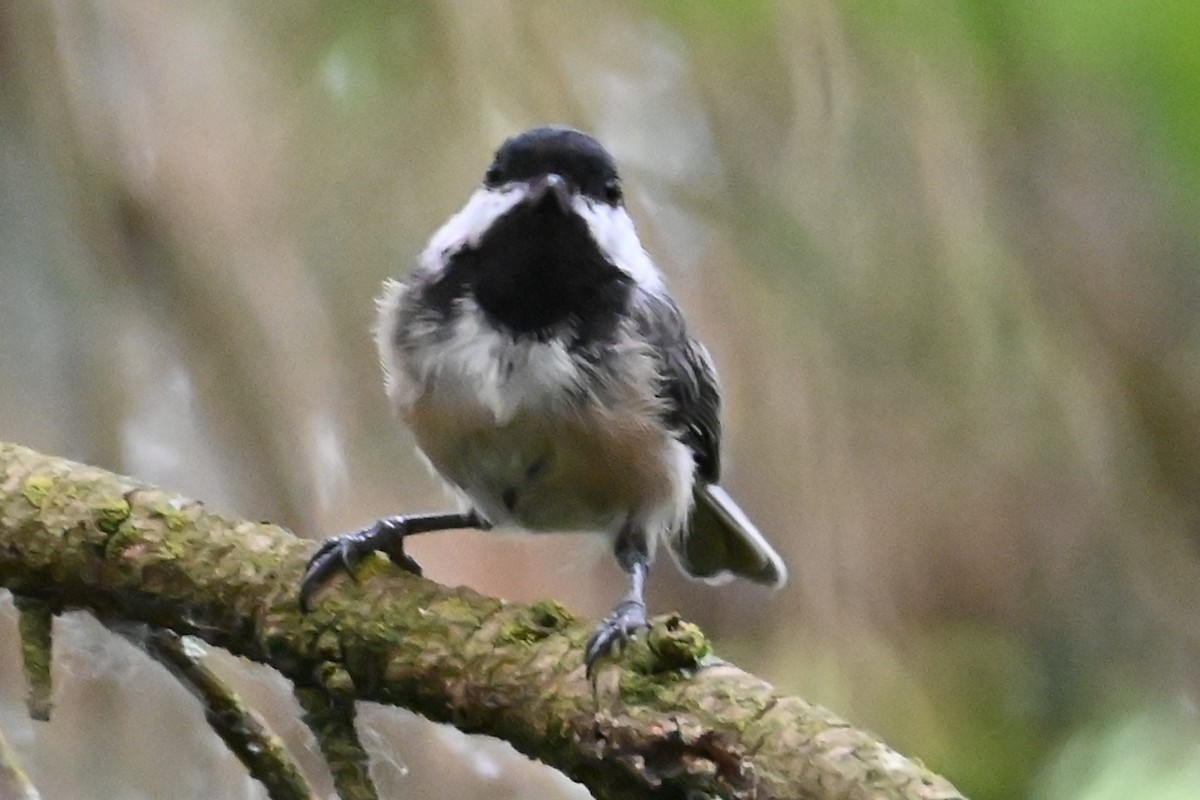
{"type": "Point", "coordinates": [720, 543]}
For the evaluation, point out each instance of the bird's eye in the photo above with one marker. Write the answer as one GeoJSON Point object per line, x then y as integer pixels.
{"type": "Point", "coordinates": [612, 191]}
{"type": "Point", "coordinates": [493, 176]}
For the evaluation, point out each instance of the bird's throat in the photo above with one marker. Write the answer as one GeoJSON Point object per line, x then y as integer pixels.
{"type": "Point", "coordinates": [538, 269]}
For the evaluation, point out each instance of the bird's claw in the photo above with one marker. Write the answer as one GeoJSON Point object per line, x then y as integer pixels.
{"type": "Point", "coordinates": [342, 554]}
{"type": "Point", "coordinates": [617, 629]}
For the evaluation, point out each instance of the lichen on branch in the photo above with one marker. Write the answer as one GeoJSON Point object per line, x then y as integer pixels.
{"type": "Point", "coordinates": [675, 722]}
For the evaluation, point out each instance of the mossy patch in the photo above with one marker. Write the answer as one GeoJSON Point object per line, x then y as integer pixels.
{"type": "Point", "coordinates": [110, 514]}
{"type": "Point", "coordinates": [37, 489]}
{"type": "Point", "coordinates": [672, 646]}
{"type": "Point", "coordinates": [678, 645]}
{"type": "Point", "coordinates": [335, 679]}
{"type": "Point", "coordinates": [455, 610]}
{"type": "Point", "coordinates": [173, 518]}
{"type": "Point", "coordinates": [371, 565]}
{"type": "Point", "coordinates": [536, 622]}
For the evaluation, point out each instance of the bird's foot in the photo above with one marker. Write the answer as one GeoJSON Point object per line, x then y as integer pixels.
{"type": "Point", "coordinates": [342, 553]}
{"type": "Point", "coordinates": [617, 629]}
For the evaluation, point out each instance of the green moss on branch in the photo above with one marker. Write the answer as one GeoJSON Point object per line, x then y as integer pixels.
{"type": "Point", "coordinates": [680, 724]}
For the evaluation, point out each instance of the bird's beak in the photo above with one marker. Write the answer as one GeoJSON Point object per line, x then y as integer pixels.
{"type": "Point", "coordinates": [551, 188]}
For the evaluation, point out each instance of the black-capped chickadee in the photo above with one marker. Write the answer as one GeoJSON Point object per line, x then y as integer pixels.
{"type": "Point", "coordinates": [550, 380]}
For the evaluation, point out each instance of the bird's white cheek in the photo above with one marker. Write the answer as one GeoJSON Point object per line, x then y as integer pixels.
{"type": "Point", "coordinates": [613, 231]}
{"type": "Point", "coordinates": [468, 226]}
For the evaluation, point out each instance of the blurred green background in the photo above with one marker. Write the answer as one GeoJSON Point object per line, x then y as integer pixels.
{"type": "Point", "coordinates": [946, 255]}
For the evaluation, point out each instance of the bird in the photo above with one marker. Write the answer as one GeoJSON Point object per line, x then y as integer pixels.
{"type": "Point", "coordinates": [551, 381]}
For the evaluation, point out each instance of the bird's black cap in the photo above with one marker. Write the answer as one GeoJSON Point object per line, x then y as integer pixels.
{"type": "Point", "coordinates": [557, 150]}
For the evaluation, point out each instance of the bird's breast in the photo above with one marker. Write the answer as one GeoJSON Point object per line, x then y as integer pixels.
{"type": "Point", "coordinates": [534, 434]}
{"type": "Point", "coordinates": [544, 468]}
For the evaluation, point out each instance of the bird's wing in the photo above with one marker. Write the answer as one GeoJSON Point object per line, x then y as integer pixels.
{"type": "Point", "coordinates": [719, 542]}
{"type": "Point", "coordinates": [689, 389]}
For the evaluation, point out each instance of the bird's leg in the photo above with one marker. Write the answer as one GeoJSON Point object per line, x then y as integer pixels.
{"type": "Point", "coordinates": [629, 615]}
{"type": "Point", "coordinates": [386, 535]}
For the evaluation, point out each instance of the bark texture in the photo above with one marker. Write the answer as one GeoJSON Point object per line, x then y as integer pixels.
{"type": "Point", "coordinates": [671, 721]}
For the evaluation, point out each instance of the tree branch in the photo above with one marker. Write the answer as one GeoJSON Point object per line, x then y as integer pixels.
{"type": "Point", "coordinates": [331, 719]}
{"type": "Point", "coordinates": [677, 723]}
{"type": "Point", "coordinates": [245, 733]}
{"type": "Point", "coordinates": [35, 622]}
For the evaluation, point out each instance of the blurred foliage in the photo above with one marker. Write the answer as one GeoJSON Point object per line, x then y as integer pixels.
{"type": "Point", "coordinates": [945, 255]}
{"type": "Point", "coordinates": [1150, 752]}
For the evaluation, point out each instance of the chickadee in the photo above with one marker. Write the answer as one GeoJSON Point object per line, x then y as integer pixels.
{"type": "Point", "coordinates": [550, 380]}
